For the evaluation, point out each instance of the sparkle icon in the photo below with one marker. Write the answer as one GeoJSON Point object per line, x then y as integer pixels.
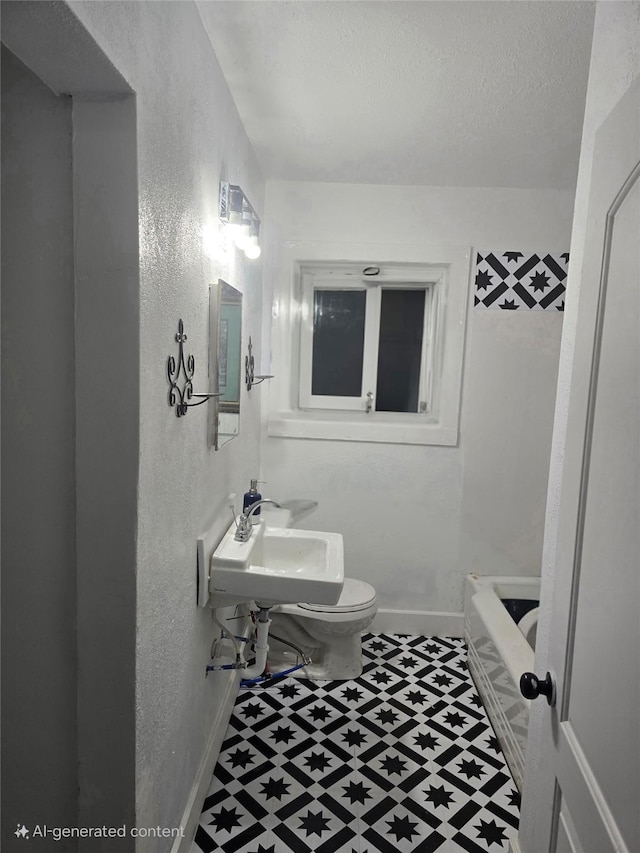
{"type": "Point", "coordinates": [21, 831]}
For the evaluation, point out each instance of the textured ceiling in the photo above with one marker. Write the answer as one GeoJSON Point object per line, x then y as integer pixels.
{"type": "Point", "coordinates": [424, 92]}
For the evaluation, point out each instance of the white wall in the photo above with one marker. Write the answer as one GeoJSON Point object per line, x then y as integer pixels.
{"type": "Point", "coordinates": [189, 136]}
{"type": "Point", "coordinates": [615, 62]}
{"type": "Point", "coordinates": [416, 519]}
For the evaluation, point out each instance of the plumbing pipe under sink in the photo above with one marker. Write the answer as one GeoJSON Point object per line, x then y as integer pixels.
{"type": "Point", "coordinates": [254, 674]}
{"type": "Point", "coordinates": [261, 647]}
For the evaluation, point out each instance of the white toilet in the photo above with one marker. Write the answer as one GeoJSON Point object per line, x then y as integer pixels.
{"type": "Point", "coordinates": [328, 634]}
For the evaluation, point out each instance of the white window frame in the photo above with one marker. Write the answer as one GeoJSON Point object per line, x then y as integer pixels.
{"type": "Point", "coordinates": [287, 418]}
{"type": "Point", "coordinates": [426, 279]}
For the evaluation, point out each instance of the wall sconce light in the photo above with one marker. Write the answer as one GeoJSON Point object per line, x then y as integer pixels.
{"type": "Point", "coordinates": [251, 378]}
{"type": "Point", "coordinates": [243, 223]}
{"type": "Point", "coordinates": [181, 390]}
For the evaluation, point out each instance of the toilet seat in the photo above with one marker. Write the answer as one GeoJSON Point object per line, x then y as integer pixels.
{"type": "Point", "coordinates": [355, 596]}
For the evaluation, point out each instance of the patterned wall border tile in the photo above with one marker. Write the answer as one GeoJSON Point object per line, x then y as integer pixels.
{"type": "Point", "coordinates": [520, 280]}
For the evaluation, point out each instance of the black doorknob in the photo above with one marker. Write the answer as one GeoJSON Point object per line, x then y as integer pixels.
{"type": "Point", "coordinates": [531, 687]}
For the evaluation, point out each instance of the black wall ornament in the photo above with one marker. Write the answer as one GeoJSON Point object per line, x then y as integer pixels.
{"type": "Point", "coordinates": [251, 378]}
{"type": "Point", "coordinates": [182, 391]}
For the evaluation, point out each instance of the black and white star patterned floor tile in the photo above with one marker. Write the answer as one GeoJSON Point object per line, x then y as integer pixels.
{"type": "Point", "coordinates": [399, 760]}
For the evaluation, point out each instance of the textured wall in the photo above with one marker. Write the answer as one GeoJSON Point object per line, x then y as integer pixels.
{"type": "Point", "coordinates": [416, 519]}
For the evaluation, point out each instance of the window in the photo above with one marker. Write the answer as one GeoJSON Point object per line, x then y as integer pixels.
{"type": "Point", "coordinates": [368, 343]}
{"type": "Point", "coordinates": [360, 357]}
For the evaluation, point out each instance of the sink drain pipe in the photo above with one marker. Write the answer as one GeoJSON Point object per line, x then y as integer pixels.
{"type": "Point", "coordinates": [259, 665]}
{"type": "Point", "coordinates": [262, 646]}
{"type": "Point", "coordinates": [254, 674]}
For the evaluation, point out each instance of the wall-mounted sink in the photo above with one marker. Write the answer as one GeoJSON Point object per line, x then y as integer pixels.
{"type": "Point", "coordinates": [279, 566]}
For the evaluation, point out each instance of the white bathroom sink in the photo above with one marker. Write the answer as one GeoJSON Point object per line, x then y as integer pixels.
{"type": "Point", "coordinates": [279, 566]}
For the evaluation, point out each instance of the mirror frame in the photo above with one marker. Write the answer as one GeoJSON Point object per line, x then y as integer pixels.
{"type": "Point", "coordinates": [216, 405]}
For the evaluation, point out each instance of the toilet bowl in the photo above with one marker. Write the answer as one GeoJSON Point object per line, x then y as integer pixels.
{"type": "Point", "coordinates": [328, 634]}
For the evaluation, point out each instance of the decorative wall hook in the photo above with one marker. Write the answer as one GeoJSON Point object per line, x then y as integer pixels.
{"type": "Point", "coordinates": [249, 370]}
{"type": "Point", "coordinates": [180, 393]}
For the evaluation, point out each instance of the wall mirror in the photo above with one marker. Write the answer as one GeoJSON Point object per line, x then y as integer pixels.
{"type": "Point", "coordinates": [225, 330]}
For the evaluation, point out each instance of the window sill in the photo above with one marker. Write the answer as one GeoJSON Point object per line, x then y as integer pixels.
{"type": "Point", "coordinates": [377, 428]}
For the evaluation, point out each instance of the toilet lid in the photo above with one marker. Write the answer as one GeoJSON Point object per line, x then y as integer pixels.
{"type": "Point", "coordinates": [356, 595]}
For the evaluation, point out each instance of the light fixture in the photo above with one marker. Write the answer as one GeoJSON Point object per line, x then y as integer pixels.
{"type": "Point", "coordinates": [242, 222]}
{"type": "Point", "coordinates": [252, 248]}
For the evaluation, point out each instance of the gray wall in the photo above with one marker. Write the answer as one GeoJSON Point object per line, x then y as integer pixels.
{"type": "Point", "coordinates": [107, 385]}
{"type": "Point", "coordinates": [72, 434]}
{"type": "Point", "coordinates": [39, 747]}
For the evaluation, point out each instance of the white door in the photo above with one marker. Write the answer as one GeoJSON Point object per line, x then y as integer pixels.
{"type": "Point", "coordinates": [588, 771]}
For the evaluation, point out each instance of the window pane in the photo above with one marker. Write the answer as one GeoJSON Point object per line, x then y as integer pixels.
{"type": "Point", "coordinates": [338, 342]}
{"type": "Point", "coordinates": [400, 350]}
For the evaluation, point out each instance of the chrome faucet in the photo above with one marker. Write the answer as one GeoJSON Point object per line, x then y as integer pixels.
{"type": "Point", "coordinates": [244, 526]}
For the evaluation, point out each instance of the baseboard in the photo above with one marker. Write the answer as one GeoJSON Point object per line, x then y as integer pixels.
{"type": "Point", "coordinates": [420, 623]}
{"type": "Point", "coordinates": [198, 792]}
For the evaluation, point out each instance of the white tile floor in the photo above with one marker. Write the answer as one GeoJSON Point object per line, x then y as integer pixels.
{"type": "Point", "coordinates": [400, 760]}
